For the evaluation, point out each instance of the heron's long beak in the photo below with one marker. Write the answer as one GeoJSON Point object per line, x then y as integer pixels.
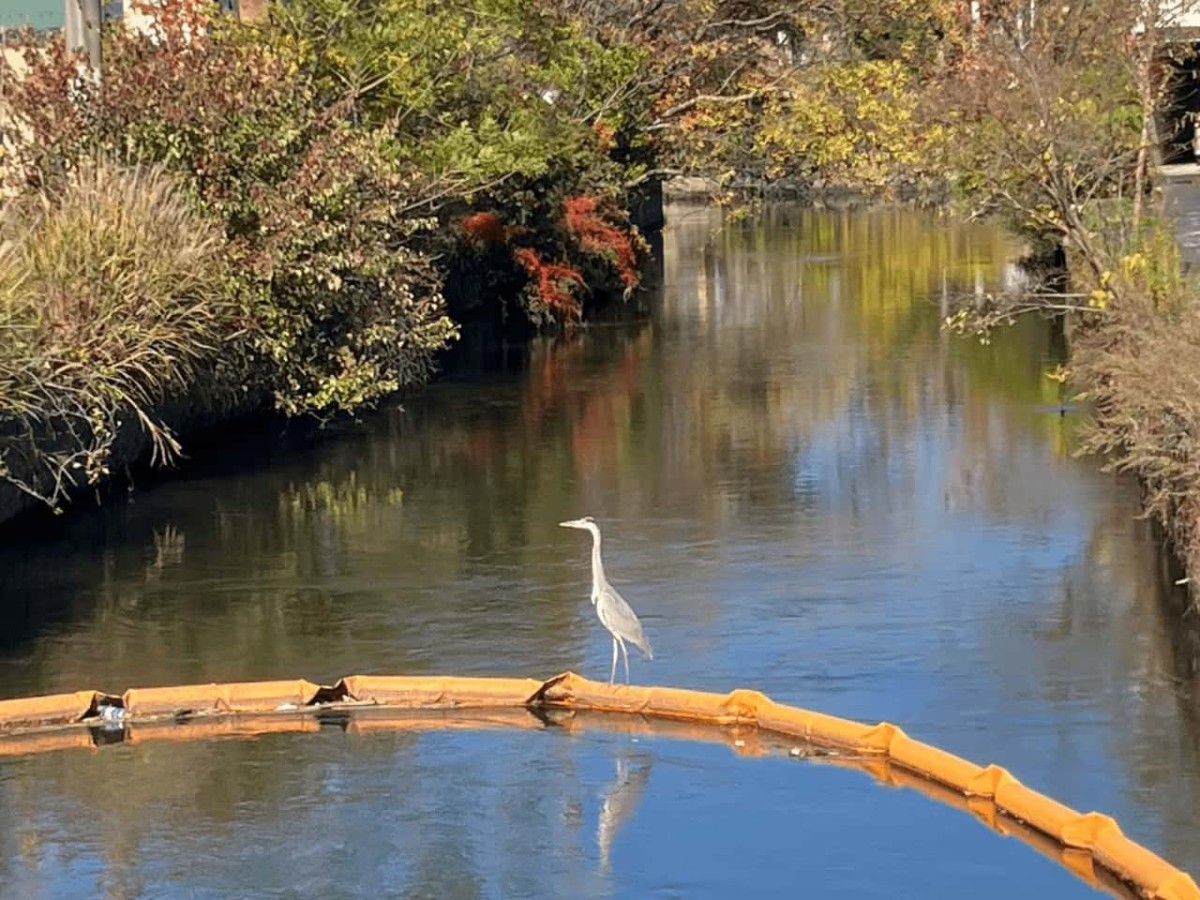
{"type": "Point", "coordinates": [573, 523]}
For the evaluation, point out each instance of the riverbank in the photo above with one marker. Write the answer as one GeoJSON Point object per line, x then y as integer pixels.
{"type": "Point", "coordinates": [1139, 368]}
{"type": "Point", "coordinates": [335, 221]}
{"type": "Point", "coordinates": [224, 225]}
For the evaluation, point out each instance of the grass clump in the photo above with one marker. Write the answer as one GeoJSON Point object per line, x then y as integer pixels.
{"type": "Point", "coordinates": [111, 289]}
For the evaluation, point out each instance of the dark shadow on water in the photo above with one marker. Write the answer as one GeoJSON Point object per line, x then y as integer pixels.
{"type": "Point", "coordinates": [92, 524]}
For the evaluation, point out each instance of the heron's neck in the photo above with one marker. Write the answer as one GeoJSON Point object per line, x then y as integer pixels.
{"type": "Point", "coordinates": [597, 565]}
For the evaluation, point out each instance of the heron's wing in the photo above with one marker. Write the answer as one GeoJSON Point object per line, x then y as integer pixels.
{"type": "Point", "coordinates": [618, 617]}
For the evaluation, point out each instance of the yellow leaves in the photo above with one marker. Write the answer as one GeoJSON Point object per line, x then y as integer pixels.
{"type": "Point", "coordinates": [1099, 298]}
{"type": "Point", "coordinates": [854, 122]}
{"type": "Point", "coordinates": [1134, 262]}
{"type": "Point", "coordinates": [959, 322]}
{"type": "Point", "coordinates": [1059, 373]}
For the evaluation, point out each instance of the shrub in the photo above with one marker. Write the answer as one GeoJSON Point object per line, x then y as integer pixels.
{"type": "Point", "coordinates": [340, 304]}
{"type": "Point", "coordinates": [589, 221]}
{"type": "Point", "coordinates": [111, 291]}
{"type": "Point", "coordinates": [594, 248]}
{"type": "Point", "coordinates": [1136, 367]}
{"type": "Point", "coordinates": [510, 107]}
{"type": "Point", "coordinates": [551, 286]}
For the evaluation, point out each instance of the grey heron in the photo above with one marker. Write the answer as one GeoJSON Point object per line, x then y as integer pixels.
{"type": "Point", "coordinates": [614, 613]}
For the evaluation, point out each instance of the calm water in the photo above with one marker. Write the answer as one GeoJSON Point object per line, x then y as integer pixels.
{"type": "Point", "coordinates": [489, 814]}
{"type": "Point", "coordinates": [805, 488]}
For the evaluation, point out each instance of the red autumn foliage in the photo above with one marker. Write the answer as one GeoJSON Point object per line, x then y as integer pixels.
{"type": "Point", "coordinates": [553, 282]}
{"type": "Point", "coordinates": [586, 223]}
{"type": "Point", "coordinates": [484, 229]}
{"type": "Point", "coordinates": [605, 136]}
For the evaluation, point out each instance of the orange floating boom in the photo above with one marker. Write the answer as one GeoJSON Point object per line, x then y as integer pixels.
{"type": "Point", "coordinates": [35, 724]}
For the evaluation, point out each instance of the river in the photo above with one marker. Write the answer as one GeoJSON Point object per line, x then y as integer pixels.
{"type": "Point", "coordinates": [805, 488]}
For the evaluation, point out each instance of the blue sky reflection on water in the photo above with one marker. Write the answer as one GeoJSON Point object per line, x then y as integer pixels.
{"type": "Point", "coordinates": [498, 814]}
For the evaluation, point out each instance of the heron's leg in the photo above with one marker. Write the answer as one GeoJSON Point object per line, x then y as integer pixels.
{"type": "Point", "coordinates": [625, 656]}
{"type": "Point", "coordinates": [612, 676]}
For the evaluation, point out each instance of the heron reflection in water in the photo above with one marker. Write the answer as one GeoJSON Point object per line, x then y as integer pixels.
{"type": "Point", "coordinates": [620, 799]}
{"type": "Point", "coordinates": [614, 613]}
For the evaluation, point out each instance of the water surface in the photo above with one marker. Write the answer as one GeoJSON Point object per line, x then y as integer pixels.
{"type": "Point", "coordinates": [486, 814]}
{"type": "Point", "coordinates": [805, 488]}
